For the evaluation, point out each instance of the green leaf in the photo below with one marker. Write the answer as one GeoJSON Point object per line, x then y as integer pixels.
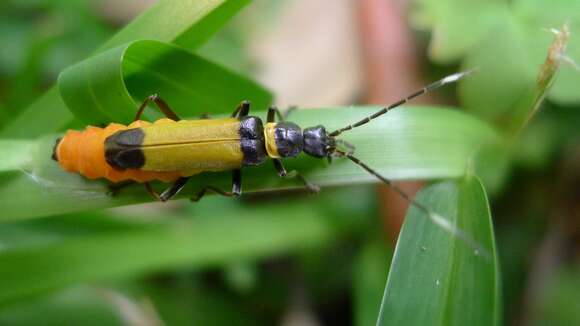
{"type": "Point", "coordinates": [405, 144]}
{"type": "Point", "coordinates": [437, 278]}
{"type": "Point", "coordinates": [185, 302]}
{"type": "Point", "coordinates": [370, 276]}
{"type": "Point", "coordinates": [457, 25]}
{"type": "Point", "coordinates": [20, 154]}
{"type": "Point", "coordinates": [101, 89]}
{"type": "Point", "coordinates": [221, 232]}
{"type": "Point", "coordinates": [505, 70]}
{"type": "Point", "coordinates": [185, 22]}
{"type": "Point", "coordinates": [544, 15]}
{"type": "Point", "coordinates": [81, 305]}
{"type": "Point", "coordinates": [519, 66]}
{"type": "Point", "coordinates": [507, 41]}
{"type": "Point", "coordinates": [555, 305]}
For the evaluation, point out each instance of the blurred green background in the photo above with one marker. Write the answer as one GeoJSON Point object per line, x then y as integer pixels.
{"type": "Point", "coordinates": [289, 258]}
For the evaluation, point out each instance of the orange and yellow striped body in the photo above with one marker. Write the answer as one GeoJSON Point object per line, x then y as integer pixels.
{"type": "Point", "coordinates": [83, 152]}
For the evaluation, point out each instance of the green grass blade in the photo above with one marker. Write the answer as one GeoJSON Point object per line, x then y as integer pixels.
{"type": "Point", "coordinates": [436, 278]}
{"type": "Point", "coordinates": [100, 90]}
{"type": "Point", "coordinates": [186, 22]}
{"type": "Point", "coordinates": [18, 154]}
{"type": "Point", "coordinates": [405, 144]}
{"type": "Point", "coordinates": [220, 233]}
{"type": "Point", "coordinates": [83, 305]}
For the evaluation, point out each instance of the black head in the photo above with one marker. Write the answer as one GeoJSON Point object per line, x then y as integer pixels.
{"type": "Point", "coordinates": [288, 137]}
{"type": "Point", "coordinates": [317, 142]}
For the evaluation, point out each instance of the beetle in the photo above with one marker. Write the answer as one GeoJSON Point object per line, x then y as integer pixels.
{"type": "Point", "coordinates": [173, 150]}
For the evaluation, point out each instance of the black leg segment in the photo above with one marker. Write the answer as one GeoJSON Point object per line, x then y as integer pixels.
{"type": "Point", "coordinates": [161, 104]}
{"type": "Point", "coordinates": [236, 188]}
{"type": "Point", "coordinates": [242, 110]}
{"type": "Point", "coordinates": [274, 113]}
{"type": "Point", "coordinates": [167, 193]}
{"type": "Point", "coordinates": [237, 182]}
{"type": "Point", "coordinates": [312, 188]}
{"type": "Point", "coordinates": [174, 189]}
{"type": "Point", "coordinates": [114, 189]}
{"type": "Point", "coordinates": [151, 191]}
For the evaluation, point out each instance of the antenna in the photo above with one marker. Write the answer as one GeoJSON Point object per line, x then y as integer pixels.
{"type": "Point", "coordinates": [434, 217]}
{"type": "Point", "coordinates": [442, 82]}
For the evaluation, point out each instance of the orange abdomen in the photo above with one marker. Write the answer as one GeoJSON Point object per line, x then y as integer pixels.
{"type": "Point", "coordinates": [83, 152]}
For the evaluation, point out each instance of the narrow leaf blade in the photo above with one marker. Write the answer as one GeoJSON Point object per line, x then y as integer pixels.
{"type": "Point", "coordinates": [436, 278]}
{"type": "Point", "coordinates": [217, 235]}
{"type": "Point", "coordinates": [101, 89]}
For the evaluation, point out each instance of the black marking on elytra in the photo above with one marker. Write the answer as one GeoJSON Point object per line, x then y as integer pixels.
{"type": "Point", "coordinates": [54, 148]}
{"type": "Point", "coordinates": [316, 141]}
{"type": "Point", "coordinates": [252, 140]}
{"type": "Point", "coordinates": [288, 137]}
{"type": "Point", "coordinates": [122, 149]}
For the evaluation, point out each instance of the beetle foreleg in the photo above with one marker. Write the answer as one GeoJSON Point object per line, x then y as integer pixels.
{"type": "Point", "coordinates": [274, 112]}
{"type": "Point", "coordinates": [242, 110]}
{"type": "Point", "coordinates": [312, 188]}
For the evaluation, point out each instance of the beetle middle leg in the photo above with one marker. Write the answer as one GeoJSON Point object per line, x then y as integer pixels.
{"type": "Point", "coordinates": [169, 192]}
{"type": "Point", "coordinates": [236, 188]}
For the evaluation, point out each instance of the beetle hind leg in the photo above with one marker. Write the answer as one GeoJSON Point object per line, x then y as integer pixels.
{"type": "Point", "coordinates": [114, 189]}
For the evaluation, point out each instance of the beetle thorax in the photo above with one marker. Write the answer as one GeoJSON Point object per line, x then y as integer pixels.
{"type": "Point", "coordinates": [283, 139]}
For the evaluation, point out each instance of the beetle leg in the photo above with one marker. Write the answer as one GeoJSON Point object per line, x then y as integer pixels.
{"type": "Point", "coordinates": [167, 193]}
{"type": "Point", "coordinates": [274, 112]}
{"type": "Point", "coordinates": [312, 188]}
{"type": "Point", "coordinates": [115, 188]}
{"type": "Point", "coordinates": [151, 191]}
{"type": "Point", "coordinates": [218, 191]}
{"type": "Point", "coordinates": [237, 182]}
{"type": "Point", "coordinates": [161, 104]}
{"type": "Point", "coordinates": [174, 189]}
{"type": "Point", "coordinates": [236, 188]}
{"type": "Point", "coordinates": [242, 110]}
{"type": "Point", "coordinates": [289, 110]}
